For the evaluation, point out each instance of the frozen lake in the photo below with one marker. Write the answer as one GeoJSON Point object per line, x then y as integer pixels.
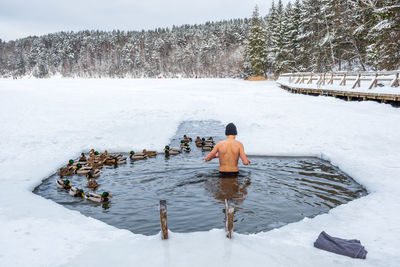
{"type": "Point", "coordinates": [46, 122]}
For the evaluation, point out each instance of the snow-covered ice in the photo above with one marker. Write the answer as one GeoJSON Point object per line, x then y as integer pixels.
{"type": "Point", "coordinates": [45, 122]}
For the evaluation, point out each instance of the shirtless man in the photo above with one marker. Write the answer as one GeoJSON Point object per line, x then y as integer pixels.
{"type": "Point", "coordinates": [229, 152]}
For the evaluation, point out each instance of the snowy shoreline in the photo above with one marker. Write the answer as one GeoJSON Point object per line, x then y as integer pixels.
{"type": "Point", "coordinates": [43, 122]}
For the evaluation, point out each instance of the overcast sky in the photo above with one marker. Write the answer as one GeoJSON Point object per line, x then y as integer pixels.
{"type": "Point", "coordinates": [21, 18]}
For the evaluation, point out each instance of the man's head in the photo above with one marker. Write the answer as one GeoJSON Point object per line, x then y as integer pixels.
{"type": "Point", "coordinates": [230, 129]}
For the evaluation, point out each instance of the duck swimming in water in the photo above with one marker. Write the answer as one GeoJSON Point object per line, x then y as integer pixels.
{"type": "Point", "coordinates": [76, 192]}
{"type": "Point", "coordinates": [149, 153]}
{"type": "Point", "coordinates": [63, 184]}
{"type": "Point", "coordinates": [94, 164]}
{"type": "Point", "coordinates": [82, 169]}
{"type": "Point", "coordinates": [91, 183]}
{"type": "Point", "coordinates": [67, 171]}
{"type": "Point", "coordinates": [186, 148]}
{"type": "Point", "coordinates": [137, 156]}
{"type": "Point", "coordinates": [187, 139]}
{"type": "Point", "coordinates": [82, 158]}
{"type": "Point", "coordinates": [97, 197]}
{"type": "Point", "coordinates": [93, 153]}
{"type": "Point", "coordinates": [171, 151]}
{"type": "Point", "coordinates": [183, 143]}
{"type": "Point", "coordinates": [206, 147]}
{"type": "Point", "coordinates": [93, 174]}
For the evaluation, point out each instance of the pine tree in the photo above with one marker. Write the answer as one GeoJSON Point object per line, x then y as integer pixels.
{"type": "Point", "coordinates": [384, 50]}
{"type": "Point", "coordinates": [256, 44]}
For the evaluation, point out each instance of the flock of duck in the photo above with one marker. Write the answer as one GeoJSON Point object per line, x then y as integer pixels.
{"type": "Point", "coordinates": [90, 166]}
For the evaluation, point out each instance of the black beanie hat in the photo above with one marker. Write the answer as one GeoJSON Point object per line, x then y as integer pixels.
{"type": "Point", "coordinates": [230, 129]}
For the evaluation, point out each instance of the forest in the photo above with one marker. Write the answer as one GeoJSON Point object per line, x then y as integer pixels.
{"type": "Point", "coordinates": [308, 35]}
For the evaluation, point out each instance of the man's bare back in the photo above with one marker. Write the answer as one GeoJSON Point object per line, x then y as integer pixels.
{"type": "Point", "coordinates": [229, 151]}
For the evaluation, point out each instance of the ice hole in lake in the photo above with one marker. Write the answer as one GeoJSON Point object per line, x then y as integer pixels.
{"type": "Point", "coordinates": [269, 193]}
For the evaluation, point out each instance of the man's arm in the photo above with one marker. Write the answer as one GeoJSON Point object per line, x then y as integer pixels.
{"type": "Point", "coordinates": [243, 155]}
{"type": "Point", "coordinates": [212, 154]}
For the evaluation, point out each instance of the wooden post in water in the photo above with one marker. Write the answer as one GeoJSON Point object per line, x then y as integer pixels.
{"type": "Point", "coordinates": [229, 213]}
{"type": "Point", "coordinates": [163, 219]}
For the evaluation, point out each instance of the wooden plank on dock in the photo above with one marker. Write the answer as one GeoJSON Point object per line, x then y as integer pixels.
{"type": "Point", "coordinates": [348, 95]}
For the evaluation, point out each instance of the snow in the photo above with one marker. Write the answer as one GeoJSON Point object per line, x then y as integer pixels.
{"type": "Point", "coordinates": [45, 122]}
{"type": "Point", "coordinates": [385, 87]}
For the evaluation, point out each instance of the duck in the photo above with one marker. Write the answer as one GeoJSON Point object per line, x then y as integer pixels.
{"type": "Point", "coordinates": [91, 183]}
{"type": "Point", "coordinates": [94, 164]}
{"type": "Point", "coordinates": [63, 184]}
{"type": "Point", "coordinates": [120, 157]}
{"type": "Point", "coordinates": [183, 143]}
{"type": "Point", "coordinates": [93, 153]}
{"type": "Point", "coordinates": [67, 171]}
{"type": "Point", "coordinates": [82, 158]}
{"type": "Point", "coordinates": [137, 156]}
{"type": "Point", "coordinates": [187, 139]}
{"type": "Point", "coordinates": [76, 192]}
{"type": "Point", "coordinates": [186, 148]}
{"type": "Point", "coordinates": [198, 140]}
{"type": "Point", "coordinates": [93, 174]}
{"type": "Point", "coordinates": [171, 151]}
{"type": "Point", "coordinates": [206, 147]}
{"type": "Point", "coordinates": [71, 163]}
{"type": "Point", "coordinates": [82, 169]}
{"type": "Point", "coordinates": [149, 153]}
{"type": "Point", "coordinates": [111, 161]}
{"type": "Point", "coordinates": [209, 141]}
{"type": "Point", "coordinates": [97, 197]}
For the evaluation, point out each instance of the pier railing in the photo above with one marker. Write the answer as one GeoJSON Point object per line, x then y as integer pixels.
{"type": "Point", "coordinates": [345, 78]}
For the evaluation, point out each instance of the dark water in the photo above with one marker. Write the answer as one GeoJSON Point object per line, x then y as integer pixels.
{"type": "Point", "coordinates": [271, 192]}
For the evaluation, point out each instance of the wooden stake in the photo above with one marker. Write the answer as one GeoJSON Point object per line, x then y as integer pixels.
{"type": "Point", "coordinates": [331, 80]}
{"type": "Point", "coordinates": [163, 218]}
{"type": "Point", "coordinates": [343, 81]}
{"type": "Point", "coordinates": [395, 82]}
{"type": "Point", "coordinates": [358, 81]}
{"type": "Point", "coordinates": [310, 79]}
{"type": "Point", "coordinates": [374, 82]}
{"type": "Point", "coordinates": [229, 213]}
{"type": "Point", "coordinates": [323, 80]}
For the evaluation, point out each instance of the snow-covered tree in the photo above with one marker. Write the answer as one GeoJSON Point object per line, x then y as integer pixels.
{"type": "Point", "coordinates": [256, 44]}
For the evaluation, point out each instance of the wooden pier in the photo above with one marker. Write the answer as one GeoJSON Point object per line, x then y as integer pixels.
{"type": "Point", "coordinates": [295, 79]}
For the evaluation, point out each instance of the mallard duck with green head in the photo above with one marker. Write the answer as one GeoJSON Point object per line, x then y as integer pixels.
{"type": "Point", "coordinates": [81, 169]}
{"type": "Point", "coordinates": [98, 198]}
{"type": "Point", "coordinates": [82, 158]}
{"type": "Point", "coordinates": [136, 156]}
{"type": "Point", "coordinates": [76, 192]}
{"type": "Point", "coordinates": [171, 151]}
{"type": "Point", "coordinates": [63, 184]}
{"type": "Point", "coordinates": [183, 143]}
{"type": "Point", "coordinates": [93, 174]}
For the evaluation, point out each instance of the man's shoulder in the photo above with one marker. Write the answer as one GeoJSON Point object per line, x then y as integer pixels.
{"type": "Point", "coordinates": [238, 142]}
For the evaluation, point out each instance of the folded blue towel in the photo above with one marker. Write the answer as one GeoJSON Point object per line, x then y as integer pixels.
{"type": "Point", "coordinates": [346, 247]}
